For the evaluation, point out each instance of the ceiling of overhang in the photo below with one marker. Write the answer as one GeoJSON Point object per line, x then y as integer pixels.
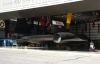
{"type": "Point", "coordinates": [83, 16]}
{"type": "Point", "coordinates": [82, 6]}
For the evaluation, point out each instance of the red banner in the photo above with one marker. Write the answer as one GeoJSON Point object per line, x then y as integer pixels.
{"type": "Point", "coordinates": [42, 21]}
{"type": "Point", "coordinates": [93, 24]}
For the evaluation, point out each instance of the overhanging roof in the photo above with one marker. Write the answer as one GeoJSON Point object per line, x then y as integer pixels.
{"type": "Point", "coordinates": [81, 6]}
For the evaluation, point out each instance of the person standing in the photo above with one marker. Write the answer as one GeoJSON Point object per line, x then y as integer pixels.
{"type": "Point", "coordinates": [92, 47]}
{"type": "Point", "coordinates": [4, 43]}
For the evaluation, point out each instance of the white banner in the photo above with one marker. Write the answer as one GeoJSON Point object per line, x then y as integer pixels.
{"type": "Point", "coordinates": [58, 23]}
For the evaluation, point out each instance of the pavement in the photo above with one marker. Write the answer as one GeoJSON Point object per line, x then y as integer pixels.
{"type": "Point", "coordinates": [32, 56]}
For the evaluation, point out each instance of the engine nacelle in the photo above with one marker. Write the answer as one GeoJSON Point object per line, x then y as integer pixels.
{"type": "Point", "coordinates": [58, 37]}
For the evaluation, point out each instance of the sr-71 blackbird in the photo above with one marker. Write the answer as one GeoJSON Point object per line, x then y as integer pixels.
{"type": "Point", "coordinates": [60, 36]}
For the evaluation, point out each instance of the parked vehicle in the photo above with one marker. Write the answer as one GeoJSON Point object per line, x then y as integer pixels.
{"type": "Point", "coordinates": [7, 42]}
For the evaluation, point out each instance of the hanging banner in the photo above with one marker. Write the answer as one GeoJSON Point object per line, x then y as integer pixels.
{"type": "Point", "coordinates": [42, 21]}
{"type": "Point", "coordinates": [93, 24]}
{"type": "Point", "coordinates": [57, 23]}
{"type": "Point", "coordinates": [68, 21]}
{"type": "Point", "coordinates": [98, 28]}
{"type": "Point", "coordinates": [2, 24]}
{"type": "Point", "coordinates": [85, 26]}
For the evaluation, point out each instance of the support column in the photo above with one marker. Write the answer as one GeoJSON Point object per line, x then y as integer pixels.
{"type": "Point", "coordinates": [6, 28]}
{"type": "Point", "coordinates": [76, 26]}
{"type": "Point", "coordinates": [89, 29]}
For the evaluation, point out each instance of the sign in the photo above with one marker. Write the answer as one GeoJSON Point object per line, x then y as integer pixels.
{"type": "Point", "coordinates": [58, 23]}
{"type": "Point", "coordinates": [2, 24]}
{"type": "Point", "coordinates": [36, 23]}
{"type": "Point", "coordinates": [14, 5]}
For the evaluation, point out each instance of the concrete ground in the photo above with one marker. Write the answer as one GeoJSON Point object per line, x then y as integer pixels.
{"type": "Point", "coordinates": [31, 56]}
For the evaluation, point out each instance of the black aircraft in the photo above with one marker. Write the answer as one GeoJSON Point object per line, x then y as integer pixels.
{"type": "Point", "coordinates": [60, 35]}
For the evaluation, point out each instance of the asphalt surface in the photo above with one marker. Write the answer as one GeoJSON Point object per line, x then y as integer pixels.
{"type": "Point", "coordinates": [27, 56]}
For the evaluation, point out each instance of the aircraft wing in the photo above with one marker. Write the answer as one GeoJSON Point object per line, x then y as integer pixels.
{"type": "Point", "coordinates": [35, 38]}
{"type": "Point", "coordinates": [62, 37]}
{"type": "Point", "coordinates": [75, 39]}
{"type": "Point", "coordinates": [38, 37]}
